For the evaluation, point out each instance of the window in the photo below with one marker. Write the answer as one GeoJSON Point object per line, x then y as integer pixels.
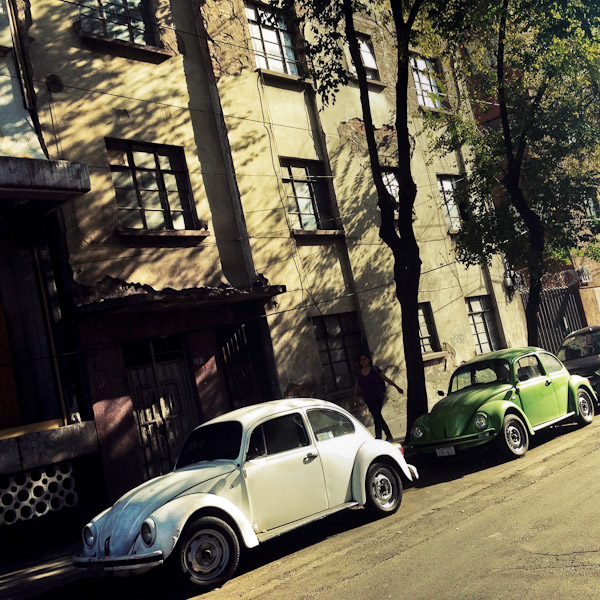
{"type": "Point", "coordinates": [126, 20]}
{"type": "Point", "coordinates": [277, 435]}
{"type": "Point", "coordinates": [329, 424]}
{"type": "Point", "coordinates": [447, 188]}
{"type": "Point", "coordinates": [551, 364]}
{"type": "Point", "coordinates": [528, 368]}
{"type": "Point", "coordinates": [425, 77]}
{"type": "Point", "coordinates": [367, 56]}
{"type": "Point", "coordinates": [307, 191]}
{"type": "Point", "coordinates": [391, 183]}
{"type": "Point", "coordinates": [483, 324]}
{"type": "Point", "coordinates": [272, 40]}
{"type": "Point", "coordinates": [338, 341]}
{"type": "Point", "coordinates": [427, 334]}
{"type": "Point", "coordinates": [151, 185]}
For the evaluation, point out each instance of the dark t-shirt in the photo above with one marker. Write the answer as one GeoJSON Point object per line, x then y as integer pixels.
{"type": "Point", "coordinates": [370, 385]}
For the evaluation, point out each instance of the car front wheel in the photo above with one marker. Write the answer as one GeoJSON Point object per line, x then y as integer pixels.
{"type": "Point", "coordinates": [513, 438]}
{"type": "Point", "coordinates": [384, 490]}
{"type": "Point", "coordinates": [208, 553]}
{"type": "Point", "coordinates": [586, 407]}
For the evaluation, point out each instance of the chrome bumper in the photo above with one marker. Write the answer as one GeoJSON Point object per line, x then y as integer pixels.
{"type": "Point", "coordinates": [101, 564]}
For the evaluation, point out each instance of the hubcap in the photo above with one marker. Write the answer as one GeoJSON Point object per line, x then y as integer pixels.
{"type": "Point", "coordinates": [206, 555]}
{"type": "Point", "coordinates": [383, 489]}
{"type": "Point", "coordinates": [584, 406]}
{"type": "Point", "coordinates": [514, 436]}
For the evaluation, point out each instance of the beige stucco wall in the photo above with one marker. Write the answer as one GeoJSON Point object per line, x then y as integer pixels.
{"type": "Point", "coordinates": [107, 94]}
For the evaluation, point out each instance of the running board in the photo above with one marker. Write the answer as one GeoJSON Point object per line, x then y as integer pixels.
{"type": "Point", "coordinates": [267, 535]}
{"type": "Point", "coordinates": [548, 423]}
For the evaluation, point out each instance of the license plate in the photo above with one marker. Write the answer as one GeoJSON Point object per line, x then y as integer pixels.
{"type": "Point", "coordinates": [447, 451]}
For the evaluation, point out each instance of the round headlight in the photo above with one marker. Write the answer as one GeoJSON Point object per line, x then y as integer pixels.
{"type": "Point", "coordinates": [89, 535]}
{"type": "Point", "coordinates": [480, 421]}
{"type": "Point", "coordinates": [148, 532]}
{"type": "Point", "coordinates": [417, 432]}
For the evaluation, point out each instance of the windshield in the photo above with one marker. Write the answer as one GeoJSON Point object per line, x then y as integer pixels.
{"type": "Point", "coordinates": [485, 371]}
{"type": "Point", "coordinates": [212, 442]}
{"type": "Point", "coordinates": [580, 346]}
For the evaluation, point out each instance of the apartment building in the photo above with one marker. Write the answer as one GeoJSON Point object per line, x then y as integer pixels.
{"type": "Point", "coordinates": [187, 229]}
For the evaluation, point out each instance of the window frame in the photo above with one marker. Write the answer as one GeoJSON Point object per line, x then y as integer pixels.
{"type": "Point", "coordinates": [181, 175]}
{"type": "Point", "coordinates": [426, 83]}
{"type": "Point", "coordinates": [367, 49]}
{"type": "Point", "coordinates": [351, 352]}
{"type": "Point", "coordinates": [149, 31]}
{"type": "Point", "coordinates": [280, 27]}
{"type": "Point", "coordinates": [426, 314]}
{"type": "Point", "coordinates": [449, 203]}
{"type": "Point", "coordinates": [488, 321]}
{"type": "Point", "coordinates": [320, 195]}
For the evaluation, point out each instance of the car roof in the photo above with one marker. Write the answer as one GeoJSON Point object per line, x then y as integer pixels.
{"type": "Point", "coordinates": [582, 331]}
{"type": "Point", "coordinates": [255, 412]}
{"type": "Point", "coordinates": [509, 354]}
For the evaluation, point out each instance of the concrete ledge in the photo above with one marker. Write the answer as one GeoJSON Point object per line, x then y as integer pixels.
{"type": "Point", "coordinates": [47, 447]}
{"type": "Point", "coordinates": [37, 179]}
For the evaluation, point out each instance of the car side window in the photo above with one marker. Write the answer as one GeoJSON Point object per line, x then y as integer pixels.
{"type": "Point", "coordinates": [551, 364]}
{"type": "Point", "coordinates": [329, 424]}
{"type": "Point", "coordinates": [528, 367]}
{"type": "Point", "coordinates": [277, 435]}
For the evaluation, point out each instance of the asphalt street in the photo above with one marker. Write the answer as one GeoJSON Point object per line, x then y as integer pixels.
{"type": "Point", "coordinates": [473, 527]}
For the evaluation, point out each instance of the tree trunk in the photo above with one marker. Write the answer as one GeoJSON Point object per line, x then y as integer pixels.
{"type": "Point", "coordinates": [401, 241]}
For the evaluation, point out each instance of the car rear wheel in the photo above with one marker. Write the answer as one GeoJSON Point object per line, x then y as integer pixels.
{"type": "Point", "coordinates": [384, 490]}
{"type": "Point", "coordinates": [208, 553]}
{"type": "Point", "coordinates": [586, 407]}
{"type": "Point", "coordinates": [513, 439]}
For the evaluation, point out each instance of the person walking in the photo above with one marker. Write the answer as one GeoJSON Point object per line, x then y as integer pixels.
{"type": "Point", "coordinates": [370, 380]}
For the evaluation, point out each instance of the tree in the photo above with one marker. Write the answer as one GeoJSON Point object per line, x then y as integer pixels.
{"type": "Point", "coordinates": [333, 25]}
{"type": "Point", "coordinates": [532, 70]}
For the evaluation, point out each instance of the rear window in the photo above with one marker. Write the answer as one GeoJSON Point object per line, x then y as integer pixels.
{"type": "Point", "coordinates": [479, 373]}
{"type": "Point", "coordinates": [580, 346]}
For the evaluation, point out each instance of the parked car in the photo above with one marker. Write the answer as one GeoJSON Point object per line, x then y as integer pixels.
{"type": "Point", "coordinates": [243, 478]}
{"type": "Point", "coordinates": [580, 353]}
{"type": "Point", "coordinates": [503, 397]}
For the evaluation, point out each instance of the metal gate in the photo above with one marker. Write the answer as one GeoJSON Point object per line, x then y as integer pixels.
{"type": "Point", "coordinates": [162, 402]}
{"type": "Point", "coordinates": [560, 313]}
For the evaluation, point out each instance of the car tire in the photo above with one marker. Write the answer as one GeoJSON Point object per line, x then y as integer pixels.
{"type": "Point", "coordinates": [585, 407]}
{"type": "Point", "coordinates": [384, 490]}
{"type": "Point", "coordinates": [207, 554]}
{"type": "Point", "coordinates": [513, 438]}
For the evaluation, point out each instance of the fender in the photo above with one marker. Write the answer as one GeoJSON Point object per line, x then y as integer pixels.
{"type": "Point", "coordinates": [366, 455]}
{"type": "Point", "coordinates": [172, 517]}
{"type": "Point", "coordinates": [576, 382]}
{"type": "Point", "coordinates": [496, 409]}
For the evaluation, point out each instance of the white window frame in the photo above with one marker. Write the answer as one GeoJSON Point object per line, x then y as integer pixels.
{"type": "Point", "coordinates": [483, 324]}
{"type": "Point", "coordinates": [425, 78]}
{"type": "Point", "coordinates": [447, 189]}
{"type": "Point", "coordinates": [367, 57]}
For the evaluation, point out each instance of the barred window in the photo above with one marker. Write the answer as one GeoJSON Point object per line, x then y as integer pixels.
{"type": "Point", "coordinates": [338, 340]}
{"type": "Point", "coordinates": [151, 185]}
{"type": "Point", "coordinates": [425, 78]}
{"type": "Point", "coordinates": [272, 40]}
{"type": "Point", "coordinates": [483, 324]}
{"type": "Point", "coordinates": [126, 20]}
{"type": "Point", "coordinates": [307, 191]}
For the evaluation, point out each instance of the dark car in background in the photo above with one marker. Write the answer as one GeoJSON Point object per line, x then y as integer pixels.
{"type": "Point", "coordinates": [580, 353]}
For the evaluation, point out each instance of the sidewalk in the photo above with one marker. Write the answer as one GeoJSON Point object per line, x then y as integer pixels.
{"type": "Point", "coordinates": [34, 576]}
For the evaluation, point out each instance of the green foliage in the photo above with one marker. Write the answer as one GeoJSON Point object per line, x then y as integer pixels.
{"type": "Point", "coordinates": [539, 61]}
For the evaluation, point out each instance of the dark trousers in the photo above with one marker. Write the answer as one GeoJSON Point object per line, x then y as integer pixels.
{"type": "Point", "coordinates": [378, 420]}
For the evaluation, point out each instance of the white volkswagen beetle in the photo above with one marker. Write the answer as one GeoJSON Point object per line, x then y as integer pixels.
{"type": "Point", "coordinates": [242, 478]}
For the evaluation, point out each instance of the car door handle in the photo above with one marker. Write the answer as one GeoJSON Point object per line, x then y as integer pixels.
{"type": "Point", "coordinates": [310, 457]}
{"type": "Point", "coordinates": [548, 382]}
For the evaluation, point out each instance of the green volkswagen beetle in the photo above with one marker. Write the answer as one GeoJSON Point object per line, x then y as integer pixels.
{"type": "Point", "coordinates": [503, 397]}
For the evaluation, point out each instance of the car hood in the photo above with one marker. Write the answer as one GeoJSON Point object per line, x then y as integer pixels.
{"type": "Point", "coordinates": [451, 416]}
{"type": "Point", "coordinates": [585, 366]}
{"type": "Point", "coordinates": [123, 521]}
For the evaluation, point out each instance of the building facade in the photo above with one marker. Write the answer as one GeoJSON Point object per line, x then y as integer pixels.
{"type": "Point", "coordinates": [187, 229]}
